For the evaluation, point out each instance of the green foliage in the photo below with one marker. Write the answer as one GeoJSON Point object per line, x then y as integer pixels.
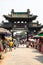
{"type": "Point", "coordinates": [22, 33]}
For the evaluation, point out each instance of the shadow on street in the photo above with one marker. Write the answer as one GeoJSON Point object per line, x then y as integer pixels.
{"type": "Point", "coordinates": [35, 51]}
{"type": "Point", "coordinates": [39, 58]}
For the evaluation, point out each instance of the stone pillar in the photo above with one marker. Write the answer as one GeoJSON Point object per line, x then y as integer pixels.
{"type": "Point", "coordinates": [27, 35]}
{"type": "Point", "coordinates": [27, 29]}
{"type": "Point", "coordinates": [12, 35]}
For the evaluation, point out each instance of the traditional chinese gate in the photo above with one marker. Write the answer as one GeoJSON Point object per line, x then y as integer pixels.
{"type": "Point", "coordinates": [20, 20]}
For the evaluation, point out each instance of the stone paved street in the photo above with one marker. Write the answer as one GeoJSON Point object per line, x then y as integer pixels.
{"type": "Point", "coordinates": [22, 56]}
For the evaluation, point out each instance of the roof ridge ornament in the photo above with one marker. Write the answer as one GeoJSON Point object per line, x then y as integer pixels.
{"type": "Point", "coordinates": [12, 11]}
{"type": "Point", "coordinates": [28, 11]}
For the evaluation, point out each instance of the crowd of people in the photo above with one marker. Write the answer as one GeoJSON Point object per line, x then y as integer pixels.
{"type": "Point", "coordinates": [36, 43]}
{"type": "Point", "coordinates": [5, 44]}
{"type": "Point", "coordinates": [9, 44]}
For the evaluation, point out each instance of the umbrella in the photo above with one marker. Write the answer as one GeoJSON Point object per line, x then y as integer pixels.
{"type": "Point", "coordinates": [32, 40]}
{"type": "Point", "coordinates": [36, 36]}
{"type": "Point", "coordinates": [40, 32]}
{"type": "Point", "coordinates": [4, 32]}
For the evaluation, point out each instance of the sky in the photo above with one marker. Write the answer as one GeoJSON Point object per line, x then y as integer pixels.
{"type": "Point", "coordinates": [35, 6]}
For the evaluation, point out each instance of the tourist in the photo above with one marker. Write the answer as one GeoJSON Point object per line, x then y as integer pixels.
{"type": "Point", "coordinates": [4, 43]}
{"type": "Point", "coordinates": [10, 45]}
